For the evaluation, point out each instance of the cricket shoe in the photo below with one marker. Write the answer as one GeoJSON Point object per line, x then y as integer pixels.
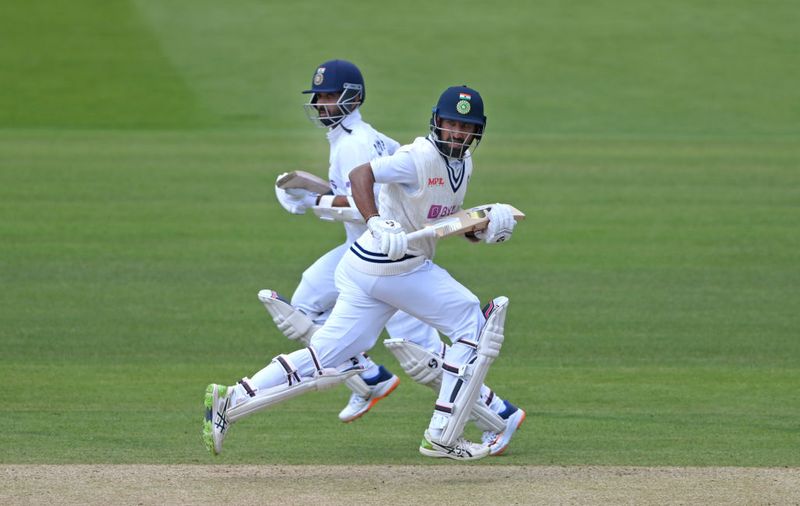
{"type": "Point", "coordinates": [488, 437]}
{"type": "Point", "coordinates": [498, 443]}
{"type": "Point", "coordinates": [460, 450]}
{"type": "Point", "coordinates": [215, 426]}
{"type": "Point", "coordinates": [358, 406]}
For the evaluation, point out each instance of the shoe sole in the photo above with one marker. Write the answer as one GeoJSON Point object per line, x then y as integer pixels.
{"type": "Point", "coordinates": [504, 448]}
{"type": "Point", "coordinates": [375, 401]}
{"type": "Point", "coordinates": [208, 402]}
{"type": "Point", "coordinates": [442, 455]}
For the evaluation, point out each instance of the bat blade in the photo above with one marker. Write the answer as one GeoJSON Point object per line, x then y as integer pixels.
{"type": "Point", "coordinates": [304, 180]}
{"type": "Point", "coordinates": [460, 222]}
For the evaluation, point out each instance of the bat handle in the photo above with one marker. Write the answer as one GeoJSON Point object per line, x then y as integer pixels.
{"type": "Point", "coordinates": [422, 233]}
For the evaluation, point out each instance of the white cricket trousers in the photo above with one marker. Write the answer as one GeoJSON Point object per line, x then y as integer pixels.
{"type": "Point", "coordinates": [317, 293]}
{"type": "Point", "coordinates": [365, 304]}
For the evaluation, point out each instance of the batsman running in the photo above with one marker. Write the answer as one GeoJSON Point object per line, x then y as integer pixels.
{"type": "Point", "coordinates": [337, 92]}
{"type": "Point", "coordinates": [382, 272]}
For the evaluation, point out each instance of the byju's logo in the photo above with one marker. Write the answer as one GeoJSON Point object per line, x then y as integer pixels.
{"type": "Point", "coordinates": [437, 211]}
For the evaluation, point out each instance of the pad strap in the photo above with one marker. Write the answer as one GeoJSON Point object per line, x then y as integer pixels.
{"type": "Point", "coordinates": [490, 397]}
{"type": "Point", "coordinates": [315, 359]}
{"type": "Point", "coordinates": [292, 377]}
{"type": "Point", "coordinates": [443, 408]}
{"type": "Point", "coordinates": [245, 382]}
{"type": "Point", "coordinates": [452, 369]}
{"type": "Point", "coordinates": [467, 342]}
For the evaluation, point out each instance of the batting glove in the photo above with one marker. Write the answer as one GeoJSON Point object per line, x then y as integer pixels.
{"type": "Point", "coordinates": [501, 225]}
{"type": "Point", "coordinates": [296, 200]}
{"type": "Point", "coordinates": [390, 235]}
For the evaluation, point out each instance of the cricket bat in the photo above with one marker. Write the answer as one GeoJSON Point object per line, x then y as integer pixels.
{"type": "Point", "coordinates": [304, 180]}
{"type": "Point", "coordinates": [461, 222]}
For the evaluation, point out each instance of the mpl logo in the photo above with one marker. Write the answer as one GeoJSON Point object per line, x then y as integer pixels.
{"type": "Point", "coordinates": [435, 181]}
{"type": "Point", "coordinates": [437, 211]}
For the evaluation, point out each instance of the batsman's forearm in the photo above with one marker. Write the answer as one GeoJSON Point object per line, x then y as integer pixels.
{"type": "Point", "coordinates": [362, 181]}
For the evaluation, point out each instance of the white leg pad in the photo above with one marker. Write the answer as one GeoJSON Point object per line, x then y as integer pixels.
{"type": "Point", "coordinates": [425, 367]}
{"type": "Point", "coordinates": [327, 378]}
{"type": "Point", "coordinates": [357, 385]}
{"type": "Point", "coordinates": [489, 343]}
{"type": "Point", "coordinates": [294, 324]}
{"type": "Point", "coordinates": [421, 365]}
{"type": "Point", "coordinates": [486, 419]}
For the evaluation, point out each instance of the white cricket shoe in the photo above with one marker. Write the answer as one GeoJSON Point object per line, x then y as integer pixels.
{"type": "Point", "coordinates": [215, 425]}
{"type": "Point", "coordinates": [488, 437]}
{"type": "Point", "coordinates": [358, 406]}
{"type": "Point", "coordinates": [501, 441]}
{"type": "Point", "coordinates": [460, 450]}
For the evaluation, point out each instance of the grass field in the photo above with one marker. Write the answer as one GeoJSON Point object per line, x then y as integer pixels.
{"type": "Point", "coordinates": [655, 309]}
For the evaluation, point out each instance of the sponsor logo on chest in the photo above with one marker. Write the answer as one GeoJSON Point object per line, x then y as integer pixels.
{"type": "Point", "coordinates": [439, 211]}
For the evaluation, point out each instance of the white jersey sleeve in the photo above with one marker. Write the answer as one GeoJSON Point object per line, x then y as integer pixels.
{"type": "Point", "coordinates": [351, 154]}
{"type": "Point", "coordinates": [398, 168]}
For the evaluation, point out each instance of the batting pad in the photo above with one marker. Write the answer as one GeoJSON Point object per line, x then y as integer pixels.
{"type": "Point", "coordinates": [292, 323]}
{"type": "Point", "coordinates": [425, 367]}
{"type": "Point", "coordinates": [489, 343]}
{"type": "Point", "coordinates": [275, 395]}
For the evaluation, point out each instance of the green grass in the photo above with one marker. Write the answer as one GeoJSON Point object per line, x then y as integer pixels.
{"type": "Point", "coordinates": [654, 315]}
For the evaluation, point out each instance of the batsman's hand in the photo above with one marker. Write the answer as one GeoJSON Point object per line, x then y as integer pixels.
{"type": "Point", "coordinates": [390, 235]}
{"type": "Point", "coordinates": [501, 225]}
{"type": "Point", "coordinates": [295, 200]}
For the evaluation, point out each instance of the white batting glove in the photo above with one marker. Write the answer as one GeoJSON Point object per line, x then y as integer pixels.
{"type": "Point", "coordinates": [501, 225]}
{"type": "Point", "coordinates": [296, 200]}
{"type": "Point", "coordinates": [390, 235]}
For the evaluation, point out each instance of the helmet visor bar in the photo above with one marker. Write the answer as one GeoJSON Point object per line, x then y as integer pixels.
{"type": "Point", "coordinates": [454, 143]}
{"type": "Point", "coordinates": [330, 115]}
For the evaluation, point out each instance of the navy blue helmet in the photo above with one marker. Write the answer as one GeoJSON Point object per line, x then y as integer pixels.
{"type": "Point", "coordinates": [335, 76]}
{"type": "Point", "coordinates": [463, 104]}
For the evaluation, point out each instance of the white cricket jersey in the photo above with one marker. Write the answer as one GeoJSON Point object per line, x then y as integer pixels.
{"type": "Point", "coordinates": [354, 142]}
{"type": "Point", "coordinates": [434, 189]}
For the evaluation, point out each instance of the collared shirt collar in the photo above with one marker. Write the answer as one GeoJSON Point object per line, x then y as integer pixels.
{"type": "Point", "coordinates": [348, 122]}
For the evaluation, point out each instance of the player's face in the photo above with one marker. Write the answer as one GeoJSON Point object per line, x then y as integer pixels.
{"type": "Point", "coordinates": [457, 131]}
{"type": "Point", "coordinates": [326, 104]}
{"type": "Point", "coordinates": [456, 136]}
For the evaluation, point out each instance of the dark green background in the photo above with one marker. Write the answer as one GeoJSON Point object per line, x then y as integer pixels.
{"type": "Point", "coordinates": [654, 285]}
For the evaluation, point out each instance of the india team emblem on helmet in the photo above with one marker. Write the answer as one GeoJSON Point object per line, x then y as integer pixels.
{"type": "Point", "coordinates": [319, 76]}
{"type": "Point", "coordinates": [463, 106]}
